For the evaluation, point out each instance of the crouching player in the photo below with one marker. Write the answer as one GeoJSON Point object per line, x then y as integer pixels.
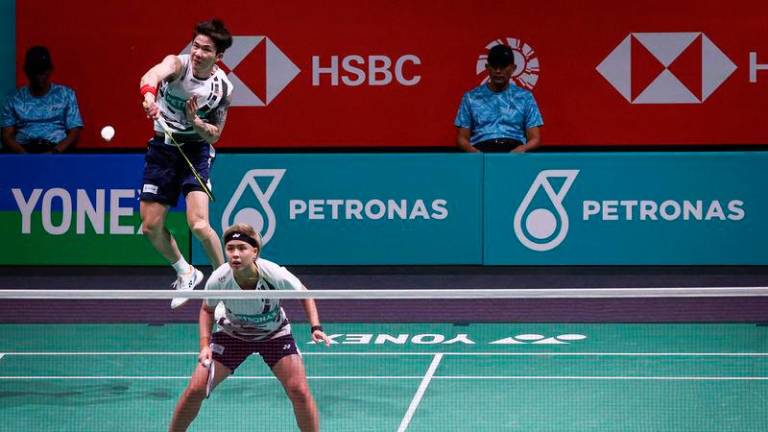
{"type": "Point", "coordinates": [246, 327]}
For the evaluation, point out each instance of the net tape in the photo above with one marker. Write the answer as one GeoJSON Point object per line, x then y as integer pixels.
{"type": "Point", "coordinates": [344, 294]}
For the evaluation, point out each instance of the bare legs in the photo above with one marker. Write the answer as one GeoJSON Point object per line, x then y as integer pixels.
{"type": "Point", "coordinates": [197, 219]}
{"type": "Point", "coordinates": [289, 370]}
{"type": "Point", "coordinates": [153, 216]}
{"type": "Point", "coordinates": [190, 401]}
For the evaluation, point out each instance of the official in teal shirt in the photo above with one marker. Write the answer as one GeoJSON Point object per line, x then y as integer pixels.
{"type": "Point", "coordinates": [42, 117]}
{"type": "Point", "coordinates": [498, 116]}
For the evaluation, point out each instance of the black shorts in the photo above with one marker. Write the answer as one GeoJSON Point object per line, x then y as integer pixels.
{"type": "Point", "coordinates": [231, 351]}
{"type": "Point", "coordinates": [166, 173]}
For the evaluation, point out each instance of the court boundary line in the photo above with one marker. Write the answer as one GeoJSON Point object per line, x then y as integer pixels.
{"type": "Point", "coordinates": [419, 353]}
{"type": "Point", "coordinates": [423, 384]}
{"type": "Point", "coordinates": [420, 392]}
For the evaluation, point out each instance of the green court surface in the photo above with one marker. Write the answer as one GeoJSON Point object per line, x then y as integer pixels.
{"type": "Point", "coordinates": [397, 377]}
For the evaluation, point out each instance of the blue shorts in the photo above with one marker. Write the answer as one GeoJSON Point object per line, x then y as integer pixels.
{"type": "Point", "coordinates": [166, 173]}
{"type": "Point", "coordinates": [231, 351]}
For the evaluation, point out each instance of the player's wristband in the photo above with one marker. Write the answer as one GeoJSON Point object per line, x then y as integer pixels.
{"type": "Point", "coordinates": [316, 328]}
{"type": "Point", "coordinates": [146, 88]}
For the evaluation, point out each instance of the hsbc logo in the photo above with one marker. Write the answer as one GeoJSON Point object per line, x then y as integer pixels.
{"type": "Point", "coordinates": [666, 68]}
{"type": "Point", "coordinates": [276, 68]}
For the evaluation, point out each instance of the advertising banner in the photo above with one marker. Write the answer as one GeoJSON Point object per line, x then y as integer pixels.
{"type": "Point", "coordinates": [371, 74]}
{"type": "Point", "coordinates": [76, 210]}
{"type": "Point", "coordinates": [352, 209]}
{"type": "Point", "coordinates": [630, 208]}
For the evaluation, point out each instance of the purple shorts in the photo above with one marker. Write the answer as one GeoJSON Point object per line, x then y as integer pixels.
{"type": "Point", "coordinates": [231, 351]}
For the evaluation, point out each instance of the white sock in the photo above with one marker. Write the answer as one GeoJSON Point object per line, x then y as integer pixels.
{"type": "Point", "coordinates": [182, 266]}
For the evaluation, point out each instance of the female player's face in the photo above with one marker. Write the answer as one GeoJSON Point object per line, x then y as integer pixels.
{"type": "Point", "coordinates": [240, 254]}
{"type": "Point", "coordinates": [203, 54]}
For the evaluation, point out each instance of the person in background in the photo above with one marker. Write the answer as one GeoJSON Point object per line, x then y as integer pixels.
{"type": "Point", "coordinates": [42, 117]}
{"type": "Point", "coordinates": [498, 116]}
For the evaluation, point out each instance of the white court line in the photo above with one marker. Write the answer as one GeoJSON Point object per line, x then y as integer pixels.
{"type": "Point", "coordinates": [420, 393]}
{"type": "Point", "coordinates": [130, 377]}
{"type": "Point", "coordinates": [327, 353]}
{"type": "Point", "coordinates": [1, 356]}
{"type": "Point", "coordinates": [422, 387]}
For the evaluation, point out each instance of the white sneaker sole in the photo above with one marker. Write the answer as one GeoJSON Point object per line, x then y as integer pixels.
{"type": "Point", "coordinates": [181, 301]}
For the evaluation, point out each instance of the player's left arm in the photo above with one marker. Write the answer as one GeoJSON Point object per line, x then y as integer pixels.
{"type": "Point", "coordinates": [210, 128]}
{"type": "Point", "coordinates": [314, 320]}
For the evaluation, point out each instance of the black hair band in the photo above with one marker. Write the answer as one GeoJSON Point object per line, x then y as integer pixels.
{"type": "Point", "coordinates": [237, 235]}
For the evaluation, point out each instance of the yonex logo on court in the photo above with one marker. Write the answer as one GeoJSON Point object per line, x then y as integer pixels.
{"type": "Point", "coordinates": [540, 228]}
{"type": "Point", "coordinates": [666, 68]}
{"type": "Point", "coordinates": [278, 70]}
{"type": "Point", "coordinates": [526, 73]}
{"type": "Point", "coordinates": [240, 208]}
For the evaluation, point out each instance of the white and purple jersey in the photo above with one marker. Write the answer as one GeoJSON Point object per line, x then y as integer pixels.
{"type": "Point", "coordinates": [253, 319]}
{"type": "Point", "coordinates": [211, 94]}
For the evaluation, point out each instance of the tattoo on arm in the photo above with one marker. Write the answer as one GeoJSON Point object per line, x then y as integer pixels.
{"type": "Point", "coordinates": [219, 115]}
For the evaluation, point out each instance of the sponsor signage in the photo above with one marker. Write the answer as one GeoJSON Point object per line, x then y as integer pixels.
{"type": "Point", "coordinates": [629, 208]}
{"type": "Point", "coordinates": [76, 210]}
{"type": "Point", "coordinates": [695, 74]}
{"type": "Point", "coordinates": [353, 209]}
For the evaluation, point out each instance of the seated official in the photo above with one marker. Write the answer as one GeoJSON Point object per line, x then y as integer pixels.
{"type": "Point", "coordinates": [498, 116]}
{"type": "Point", "coordinates": [42, 117]}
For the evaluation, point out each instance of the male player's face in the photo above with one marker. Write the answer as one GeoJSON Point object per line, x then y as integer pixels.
{"type": "Point", "coordinates": [203, 54]}
{"type": "Point", "coordinates": [240, 254]}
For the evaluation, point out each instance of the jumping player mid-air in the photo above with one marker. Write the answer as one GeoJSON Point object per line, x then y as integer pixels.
{"type": "Point", "coordinates": [188, 96]}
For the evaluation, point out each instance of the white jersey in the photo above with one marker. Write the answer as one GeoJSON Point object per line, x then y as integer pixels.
{"type": "Point", "coordinates": [211, 94]}
{"type": "Point", "coordinates": [256, 319]}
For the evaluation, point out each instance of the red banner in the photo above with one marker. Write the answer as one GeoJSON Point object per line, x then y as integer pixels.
{"type": "Point", "coordinates": [391, 73]}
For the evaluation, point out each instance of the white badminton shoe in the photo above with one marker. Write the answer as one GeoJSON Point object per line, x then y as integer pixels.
{"type": "Point", "coordinates": [186, 282]}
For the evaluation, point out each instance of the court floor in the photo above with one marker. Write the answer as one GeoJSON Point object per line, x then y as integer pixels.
{"type": "Point", "coordinates": [398, 377]}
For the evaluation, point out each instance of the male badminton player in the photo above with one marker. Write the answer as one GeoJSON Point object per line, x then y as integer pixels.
{"type": "Point", "coordinates": [187, 96]}
{"type": "Point", "coordinates": [246, 327]}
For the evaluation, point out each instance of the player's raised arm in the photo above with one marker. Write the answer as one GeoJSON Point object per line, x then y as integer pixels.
{"type": "Point", "coordinates": [169, 68]}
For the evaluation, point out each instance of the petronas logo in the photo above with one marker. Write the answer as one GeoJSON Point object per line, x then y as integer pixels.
{"type": "Point", "coordinates": [541, 222]}
{"type": "Point", "coordinates": [250, 202]}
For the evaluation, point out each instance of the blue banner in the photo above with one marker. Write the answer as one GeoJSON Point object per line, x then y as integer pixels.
{"type": "Point", "coordinates": [626, 208]}
{"type": "Point", "coordinates": [77, 210]}
{"type": "Point", "coordinates": [353, 209]}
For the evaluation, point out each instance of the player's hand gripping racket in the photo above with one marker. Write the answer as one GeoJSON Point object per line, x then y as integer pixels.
{"type": "Point", "coordinates": [169, 136]}
{"type": "Point", "coordinates": [210, 364]}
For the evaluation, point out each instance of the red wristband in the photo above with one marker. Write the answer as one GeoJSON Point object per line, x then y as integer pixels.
{"type": "Point", "coordinates": [146, 88]}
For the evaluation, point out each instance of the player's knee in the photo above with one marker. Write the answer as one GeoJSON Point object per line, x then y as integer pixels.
{"type": "Point", "coordinates": [200, 228]}
{"type": "Point", "coordinates": [151, 226]}
{"type": "Point", "coordinates": [195, 392]}
{"type": "Point", "coordinates": [298, 392]}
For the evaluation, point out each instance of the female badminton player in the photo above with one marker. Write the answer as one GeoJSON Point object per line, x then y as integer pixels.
{"type": "Point", "coordinates": [251, 326]}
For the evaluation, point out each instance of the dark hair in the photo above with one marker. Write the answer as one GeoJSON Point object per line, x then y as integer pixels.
{"type": "Point", "coordinates": [38, 60]}
{"type": "Point", "coordinates": [214, 29]}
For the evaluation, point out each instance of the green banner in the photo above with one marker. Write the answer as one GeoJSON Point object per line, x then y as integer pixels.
{"type": "Point", "coordinates": [76, 210]}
